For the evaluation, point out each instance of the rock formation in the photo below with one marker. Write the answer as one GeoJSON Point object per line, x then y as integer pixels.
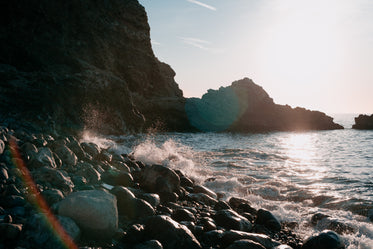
{"type": "Point", "coordinates": [246, 107]}
{"type": "Point", "coordinates": [363, 122]}
{"type": "Point", "coordinates": [75, 64]}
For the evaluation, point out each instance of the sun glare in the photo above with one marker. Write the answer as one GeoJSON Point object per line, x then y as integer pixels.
{"type": "Point", "coordinates": [303, 40]}
{"type": "Point", "coordinates": [299, 147]}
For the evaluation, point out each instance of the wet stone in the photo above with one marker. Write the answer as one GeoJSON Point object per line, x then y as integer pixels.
{"type": "Point", "coordinates": [52, 196]}
{"type": "Point", "coordinates": [150, 244]}
{"type": "Point", "coordinates": [267, 219]}
{"type": "Point", "coordinates": [221, 205]}
{"type": "Point", "coordinates": [229, 219]}
{"type": "Point", "coordinates": [91, 148]}
{"type": "Point", "coordinates": [182, 215]}
{"type": "Point", "coordinates": [170, 233]}
{"type": "Point", "coordinates": [245, 244]}
{"type": "Point", "coordinates": [324, 240]}
{"type": "Point", "coordinates": [205, 190]}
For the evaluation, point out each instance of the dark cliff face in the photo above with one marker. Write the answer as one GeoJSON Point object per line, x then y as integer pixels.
{"type": "Point", "coordinates": [363, 122]}
{"type": "Point", "coordinates": [246, 107]}
{"type": "Point", "coordinates": [84, 63]}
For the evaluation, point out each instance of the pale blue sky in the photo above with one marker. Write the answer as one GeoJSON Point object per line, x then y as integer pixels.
{"type": "Point", "coordinates": [316, 54]}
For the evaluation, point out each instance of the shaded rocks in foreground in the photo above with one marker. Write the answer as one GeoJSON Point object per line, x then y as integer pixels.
{"type": "Point", "coordinates": [363, 122]}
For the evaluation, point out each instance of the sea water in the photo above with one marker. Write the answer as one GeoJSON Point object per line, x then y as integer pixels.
{"type": "Point", "coordinates": [293, 174]}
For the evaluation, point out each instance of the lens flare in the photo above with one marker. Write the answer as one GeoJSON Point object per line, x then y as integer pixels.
{"type": "Point", "coordinates": [37, 200]}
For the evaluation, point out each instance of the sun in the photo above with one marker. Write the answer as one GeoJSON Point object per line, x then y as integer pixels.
{"type": "Point", "coordinates": [303, 42]}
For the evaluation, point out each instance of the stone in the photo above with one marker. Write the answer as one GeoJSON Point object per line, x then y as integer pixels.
{"type": "Point", "coordinates": [230, 236]}
{"type": "Point", "coordinates": [135, 234]}
{"type": "Point", "coordinates": [94, 211]}
{"type": "Point", "coordinates": [74, 145]}
{"type": "Point", "coordinates": [204, 198]}
{"type": "Point", "coordinates": [150, 244]}
{"type": "Point", "coordinates": [2, 146]}
{"type": "Point", "coordinates": [44, 157]}
{"type": "Point", "coordinates": [266, 218]}
{"type": "Point", "coordinates": [66, 155]}
{"type": "Point", "coordinates": [208, 224]}
{"type": "Point", "coordinates": [10, 232]}
{"type": "Point", "coordinates": [170, 233]}
{"type": "Point", "coordinates": [283, 247]}
{"type": "Point", "coordinates": [324, 240]}
{"type": "Point", "coordinates": [205, 190]}
{"type": "Point", "coordinates": [3, 174]}
{"type": "Point", "coordinates": [235, 202]}
{"type": "Point", "coordinates": [91, 148]}
{"type": "Point", "coordinates": [182, 214]}
{"type": "Point", "coordinates": [130, 206]}
{"type": "Point", "coordinates": [229, 219]}
{"type": "Point", "coordinates": [221, 205]}
{"type": "Point", "coordinates": [11, 201]}
{"type": "Point", "coordinates": [88, 172]}
{"type": "Point", "coordinates": [38, 232]}
{"type": "Point", "coordinates": [186, 182]}
{"type": "Point", "coordinates": [245, 244]}
{"type": "Point", "coordinates": [56, 178]}
{"type": "Point", "coordinates": [152, 199]}
{"type": "Point", "coordinates": [117, 178]}
{"type": "Point", "coordinates": [212, 238]}
{"type": "Point", "coordinates": [52, 196]}
{"type": "Point", "coordinates": [29, 150]}
{"type": "Point", "coordinates": [158, 178]}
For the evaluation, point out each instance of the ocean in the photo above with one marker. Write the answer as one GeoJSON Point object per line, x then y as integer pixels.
{"type": "Point", "coordinates": [295, 175]}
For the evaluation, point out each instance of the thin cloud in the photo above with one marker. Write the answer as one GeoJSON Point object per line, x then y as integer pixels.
{"type": "Point", "coordinates": [201, 44]}
{"type": "Point", "coordinates": [202, 4]}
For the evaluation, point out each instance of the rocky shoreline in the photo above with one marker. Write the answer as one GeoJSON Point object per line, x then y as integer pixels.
{"type": "Point", "coordinates": [58, 192]}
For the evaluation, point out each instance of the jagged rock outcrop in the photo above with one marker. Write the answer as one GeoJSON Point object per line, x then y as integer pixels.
{"type": "Point", "coordinates": [74, 64]}
{"type": "Point", "coordinates": [363, 122]}
{"type": "Point", "coordinates": [246, 107]}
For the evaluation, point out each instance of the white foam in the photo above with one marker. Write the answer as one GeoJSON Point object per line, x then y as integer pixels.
{"type": "Point", "coordinates": [101, 142]}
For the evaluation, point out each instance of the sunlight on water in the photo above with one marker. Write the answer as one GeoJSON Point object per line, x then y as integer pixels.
{"type": "Point", "coordinates": [299, 146]}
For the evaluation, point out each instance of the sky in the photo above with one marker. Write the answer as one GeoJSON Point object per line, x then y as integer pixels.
{"type": "Point", "coordinates": [316, 54]}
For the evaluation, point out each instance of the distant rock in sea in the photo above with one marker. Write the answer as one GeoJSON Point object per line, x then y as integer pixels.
{"type": "Point", "coordinates": [246, 107]}
{"type": "Point", "coordinates": [84, 64]}
{"type": "Point", "coordinates": [363, 122]}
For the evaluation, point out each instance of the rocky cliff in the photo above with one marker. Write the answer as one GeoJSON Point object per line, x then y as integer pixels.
{"type": "Point", "coordinates": [247, 107]}
{"type": "Point", "coordinates": [363, 122]}
{"type": "Point", "coordinates": [84, 64]}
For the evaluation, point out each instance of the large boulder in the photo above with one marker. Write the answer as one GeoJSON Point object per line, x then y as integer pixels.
{"type": "Point", "coordinates": [160, 179]}
{"type": "Point", "coordinates": [170, 233]}
{"type": "Point", "coordinates": [94, 211]}
{"type": "Point", "coordinates": [363, 122]}
{"type": "Point", "coordinates": [247, 107]}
